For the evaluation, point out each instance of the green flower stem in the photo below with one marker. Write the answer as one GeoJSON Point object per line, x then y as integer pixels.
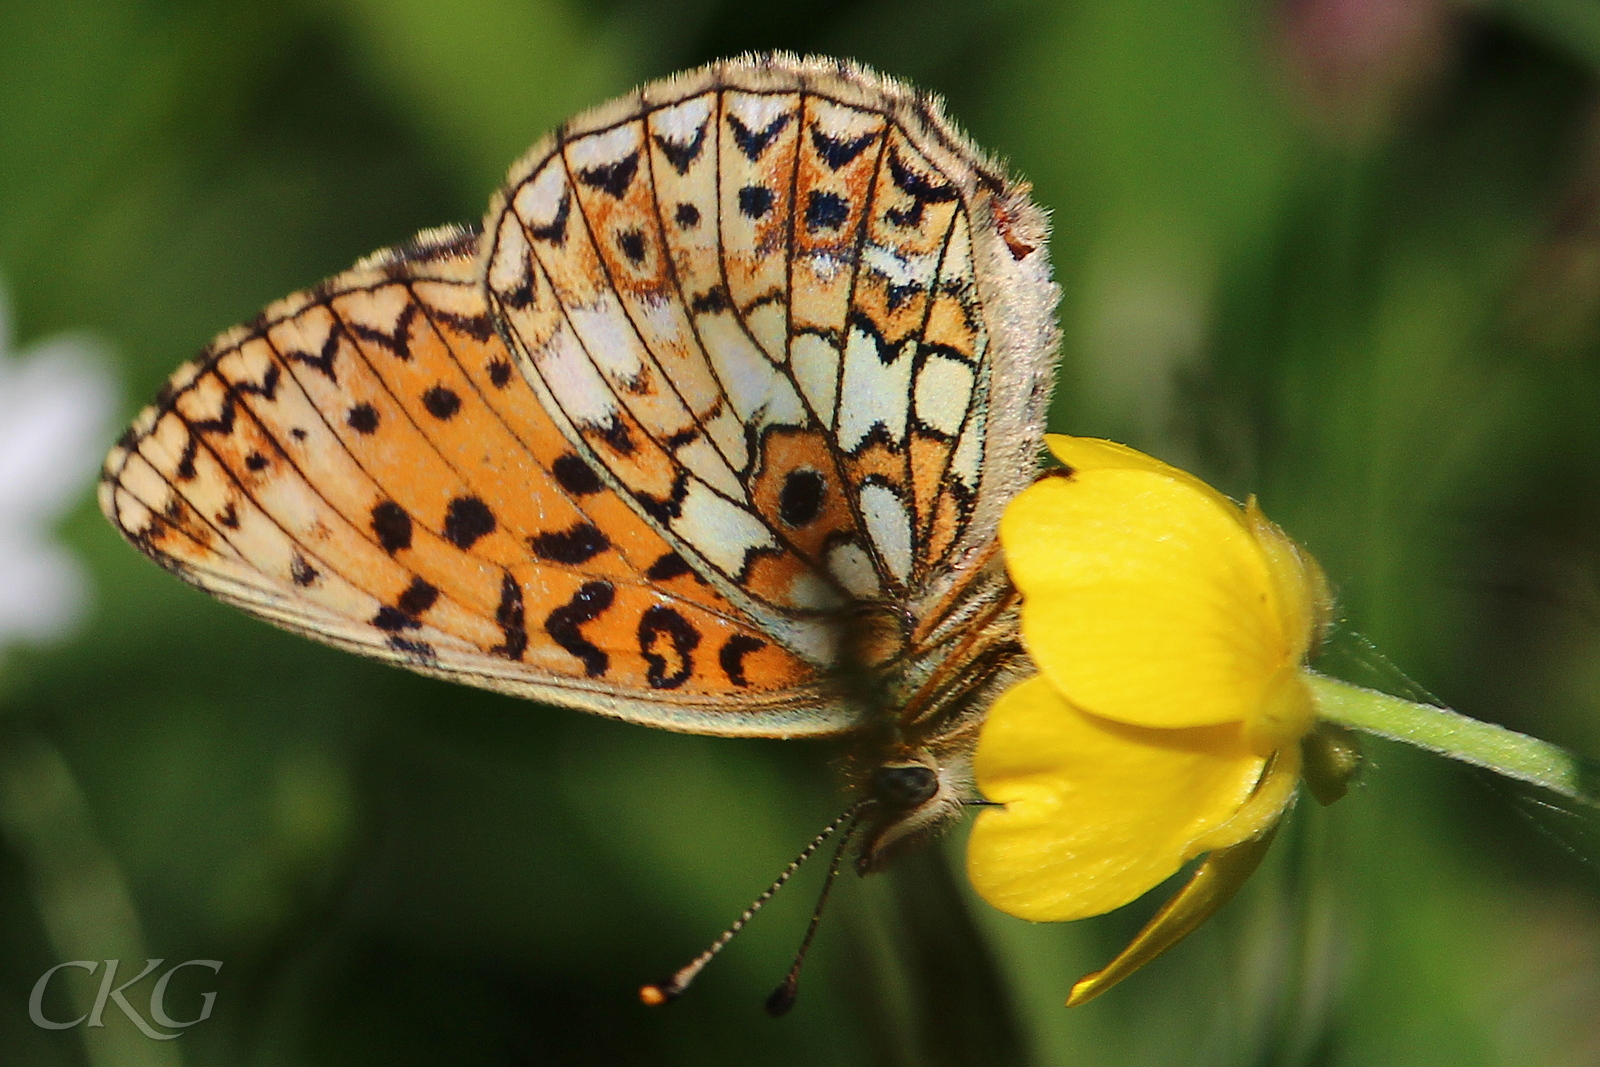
{"type": "Point", "coordinates": [1452, 734]}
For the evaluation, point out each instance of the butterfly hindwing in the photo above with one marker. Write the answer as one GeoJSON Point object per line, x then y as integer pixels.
{"type": "Point", "coordinates": [795, 318]}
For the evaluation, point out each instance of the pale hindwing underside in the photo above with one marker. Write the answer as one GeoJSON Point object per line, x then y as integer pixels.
{"type": "Point", "coordinates": [732, 357]}
{"type": "Point", "coordinates": [794, 316]}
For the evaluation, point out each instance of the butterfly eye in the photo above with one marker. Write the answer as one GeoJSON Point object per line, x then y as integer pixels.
{"type": "Point", "coordinates": [904, 786]}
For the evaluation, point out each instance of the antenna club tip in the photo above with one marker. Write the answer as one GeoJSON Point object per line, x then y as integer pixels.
{"type": "Point", "coordinates": [782, 999]}
{"type": "Point", "coordinates": [654, 994]}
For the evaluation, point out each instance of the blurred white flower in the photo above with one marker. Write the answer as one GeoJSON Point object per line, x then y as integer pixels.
{"type": "Point", "coordinates": [56, 397]}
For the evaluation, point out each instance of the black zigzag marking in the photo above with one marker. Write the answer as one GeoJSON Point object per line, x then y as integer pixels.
{"type": "Point", "coordinates": [919, 188]}
{"type": "Point", "coordinates": [682, 155]}
{"type": "Point", "coordinates": [663, 671]}
{"type": "Point", "coordinates": [398, 342]}
{"type": "Point", "coordinates": [512, 620]}
{"type": "Point", "coordinates": [835, 152]}
{"type": "Point", "coordinates": [322, 362]}
{"type": "Point", "coordinates": [732, 655]}
{"type": "Point", "coordinates": [753, 144]}
{"type": "Point", "coordinates": [267, 388]}
{"type": "Point", "coordinates": [613, 178]}
{"type": "Point", "coordinates": [562, 624]}
{"type": "Point", "coordinates": [555, 231]}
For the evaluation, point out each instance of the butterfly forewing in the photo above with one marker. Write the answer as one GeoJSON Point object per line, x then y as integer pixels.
{"type": "Point", "coordinates": [734, 359]}
{"type": "Point", "coordinates": [363, 466]}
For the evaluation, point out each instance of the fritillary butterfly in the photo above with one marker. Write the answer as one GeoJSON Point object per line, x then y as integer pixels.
{"type": "Point", "coordinates": [708, 427]}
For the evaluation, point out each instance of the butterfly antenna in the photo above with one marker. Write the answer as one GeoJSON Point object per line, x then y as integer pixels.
{"type": "Point", "coordinates": [783, 998]}
{"type": "Point", "coordinates": [655, 993]}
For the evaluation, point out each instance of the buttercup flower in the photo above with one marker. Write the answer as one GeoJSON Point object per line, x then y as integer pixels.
{"type": "Point", "coordinates": [1170, 627]}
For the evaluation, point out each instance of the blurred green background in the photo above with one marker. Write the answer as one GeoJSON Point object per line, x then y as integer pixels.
{"type": "Point", "coordinates": [1344, 254]}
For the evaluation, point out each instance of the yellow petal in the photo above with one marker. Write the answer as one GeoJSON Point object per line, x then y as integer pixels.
{"type": "Point", "coordinates": [1213, 884]}
{"type": "Point", "coordinates": [1096, 812]}
{"type": "Point", "coordinates": [1095, 453]}
{"type": "Point", "coordinates": [1144, 600]}
{"type": "Point", "coordinates": [1273, 792]}
{"type": "Point", "coordinates": [1302, 589]}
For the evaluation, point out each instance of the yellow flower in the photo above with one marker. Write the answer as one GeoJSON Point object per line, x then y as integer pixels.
{"type": "Point", "coordinates": [1170, 628]}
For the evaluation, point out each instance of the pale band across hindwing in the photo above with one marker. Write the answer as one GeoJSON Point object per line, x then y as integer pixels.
{"type": "Point", "coordinates": [765, 300]}
{"type": "Point", "coordinates": [363, 465]}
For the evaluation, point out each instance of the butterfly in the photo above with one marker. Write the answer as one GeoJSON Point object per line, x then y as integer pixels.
{"type": "Point", "coordinates": [707, 427]}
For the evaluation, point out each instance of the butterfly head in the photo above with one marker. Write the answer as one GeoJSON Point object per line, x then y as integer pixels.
{"type": "Point", "coordinates": [907, 799]}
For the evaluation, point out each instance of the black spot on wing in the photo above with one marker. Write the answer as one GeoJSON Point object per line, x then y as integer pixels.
{"type": "Point", "coordinates": [562, 624]}
{"type": "Point", "coordinates": [800, 499]}
{"type": "Point", "coordinates": [229, 517]}
{"type": "Point", "coordinates": [669, 566]}
{"type": "Point", "coordinates": [301, 570]}
{"type": "Point", "coordinates": [466, 520]}
{"type": "Point", "coordinates": [477, 327]}
{"type": "Point", "coordinates": [255, 461]}
{"type": "Point", "coordinates": [687, 216]}
{"type": "Point", "coordinates": [419, 652]}
{"type": "Point", "coordinates": [755, 201]}
{"type": "Point", "coordinates": [392, 525]}
{"type": "Point", "coordinates": [732, 655]}
{"type": "Point", "coordinates": [615, 433]}
{"type": "Point", "coordinates": [185, 469]}
{"type": "Point", "coordinates": [665, 510]}
{"type": "Point", "coordinates": [500, 373]}
{"type": "Point", "coordinates": [631, 241]}
{"type": "Point", "coordinates": [392, 620]}
{"type": "Point", "coordinates": [576, 476]}
{"type": "Point", "coordinates": [825, 210]}
{"type": "Point", "coordinates": [418, 597]}
{"type": "Point", "coordinates": [581, 542]}
{"type": "Point", "coordinates": [522, 295]}
{"type": "Point", "coordinates": [363, 418]}
{"type": "Point", "coordinates": [667, 641]}
{"type": "Point", "coordinates": [713, 301]}
{"type": "Point", "coordinates": [442, 403]}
